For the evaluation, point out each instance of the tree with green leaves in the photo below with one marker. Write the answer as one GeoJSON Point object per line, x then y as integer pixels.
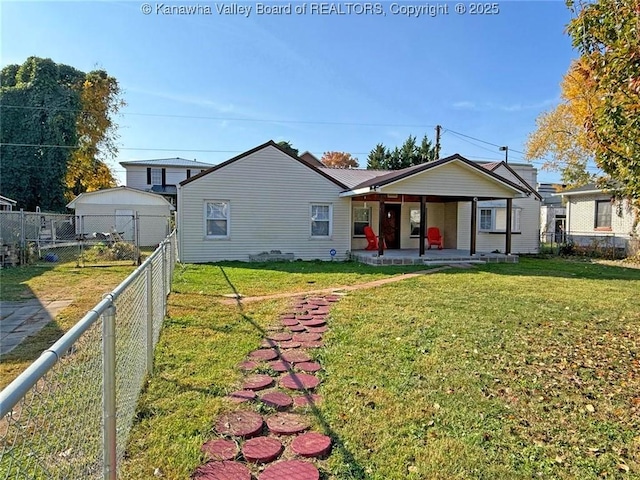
{"type": "Point", "coordinates": [409, 154]}
{"type": "Point", "coordinates": [606, 33]}
{"type": "Point", "coordinates": [287, 147]}
{"type": "Point", "coordinates": [56, 126]}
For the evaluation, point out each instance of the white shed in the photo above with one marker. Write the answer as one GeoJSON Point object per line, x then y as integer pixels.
{"type": "Point", "coordinates": [124, 210]}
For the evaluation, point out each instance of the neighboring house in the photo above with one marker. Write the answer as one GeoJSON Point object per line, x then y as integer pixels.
{"type": "Point", "coordinates": [7, 204]}
{"type": "Point", "coordinates": [132, 213]}
{"type": "Point", "coordinates": [595, 216]}
{"type": "Point", "coordinates": [312, 159]}
{"type": "Point", "coordinates": [553, 214]}
{"type": "Point", "coordinates": [266, 200]}
{"type": "Point", "coordinates": [161, 175]}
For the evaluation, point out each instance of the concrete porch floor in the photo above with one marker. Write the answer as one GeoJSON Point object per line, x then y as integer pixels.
{"type": "Point", "coordinates": [431, 257]}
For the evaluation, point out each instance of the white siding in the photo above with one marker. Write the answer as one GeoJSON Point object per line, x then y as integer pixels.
{"type": "Point", "coordinates": [269, 195]}
{"type": "Point", "coordinates": [581, 211]}
{"type": "Point", "coordinates": [450, 179]}
{"type": "Point", "coordinates": [137, 176]}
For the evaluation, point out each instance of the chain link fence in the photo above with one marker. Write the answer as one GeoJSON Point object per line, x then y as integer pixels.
{"type": "Point", "coordinates": [588, 244]}
{"type": "Point", "coordinates": [28, 238]}
{"type": "Point", "coordinates": [68, 415]}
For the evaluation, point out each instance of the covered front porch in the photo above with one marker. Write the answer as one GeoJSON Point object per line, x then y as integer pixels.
{"type": "Point", "coordinates": [412, 256]}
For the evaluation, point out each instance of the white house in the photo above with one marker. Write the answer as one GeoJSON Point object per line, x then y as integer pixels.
{"type": "Point", "coordinates": [553, 214]}
{"type": "Point", "coordinates": [7, 204]}
{"type": "Point", "coordinates": [266, 200]}
{"type": "Point", "coordinates": [595, 216]}
{"type": "Point", "coordinates": [161, 175]}
{"type": "Point", "coordinates": [135, 215]}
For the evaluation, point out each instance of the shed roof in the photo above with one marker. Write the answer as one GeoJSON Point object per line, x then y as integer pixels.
{"type": "Point", "coordinates": [157, 199]}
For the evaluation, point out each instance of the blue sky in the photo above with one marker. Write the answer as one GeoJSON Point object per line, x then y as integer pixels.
{"type": "Point", "coordinates": [212, 86]}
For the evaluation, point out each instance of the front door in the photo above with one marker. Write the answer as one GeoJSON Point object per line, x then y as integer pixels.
{"type": "Point", "coordinates": [391, 225]}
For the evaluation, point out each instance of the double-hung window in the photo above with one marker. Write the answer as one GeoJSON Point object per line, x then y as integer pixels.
{"type": "Point", "coordinates": [361, 219]}
{"type": "Point", "coordinates": [156, 176]}
{"type": "Point", "coordinates": [321, 214]}
{"type": "Point", "coordinates": [603, 214]}
{"type": "Point", "coordinates": [216, 218]}
{"type": "Point", "coordinates": [494, 219]}
{"type": "Point", "coordinates": [414, 222]}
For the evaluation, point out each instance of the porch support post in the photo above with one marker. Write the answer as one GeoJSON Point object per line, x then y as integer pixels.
{"type": "Point", "coordinates": [474, 221]}
{"type": "Point", "coordinates": [380, 225]}
{"type": "Point", "coordinates": [507, 246]}
{"type": "Point", "coordinates": [423, 222]}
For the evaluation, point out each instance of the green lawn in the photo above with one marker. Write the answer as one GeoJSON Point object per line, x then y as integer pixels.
{"type": "Point", "coordinates": [500, 371]}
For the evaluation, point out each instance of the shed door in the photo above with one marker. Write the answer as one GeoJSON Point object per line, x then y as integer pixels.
{"type": "Point", "coordinates": [125, 224]}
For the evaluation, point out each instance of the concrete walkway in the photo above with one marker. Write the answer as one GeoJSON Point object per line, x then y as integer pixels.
{"type": "Point", "coordinates": [21, 319]}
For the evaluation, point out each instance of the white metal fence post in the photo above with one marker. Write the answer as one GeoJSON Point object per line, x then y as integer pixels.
{"type": "Point", "coordinates": [109, 393]}
{"type": "Point", "coordinates": [23, 241]}
{"type": "Point", "coordinates": [149, 274]}
{"type": "Point", "coordinates": [164, 279]}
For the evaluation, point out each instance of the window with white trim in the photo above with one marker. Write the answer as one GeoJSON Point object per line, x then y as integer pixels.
{"type": "Point", "coordinates": [361, 219]}
{"type": "Point", "coordinates": [603, 214]}
{"type": "Point", "coordinates": [494, 219]}
{"type": "Point", "coordinates": [156, 176]}
{"type": "Point", "coordinates": [321, 214]}
{"type": "Point", "coordinates": [414, 222]}
{"type": "Point", "coordinates": [216, 219]}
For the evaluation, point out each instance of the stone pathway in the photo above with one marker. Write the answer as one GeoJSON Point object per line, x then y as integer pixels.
{"type": "Point", "coordinates": [21, 319]}
{"type": "Point", "coordinates": [277, 445]}
{"type": "Point", "coordinates": [233, 299]}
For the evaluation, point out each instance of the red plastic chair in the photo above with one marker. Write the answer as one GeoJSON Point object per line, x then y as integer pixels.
{"type": "Point", "coordinates": [372, 240]}
{"type": "Point", "coordinates": [434, 237]}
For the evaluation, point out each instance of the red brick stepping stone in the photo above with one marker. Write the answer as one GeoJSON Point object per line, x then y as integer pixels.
{"type": "Point", "coordinates": [321, 311]}
{"type": "Point", "coordinates": [290, 344]}
{"type": "Point", "coordinates": [295, 356]}
{"type": "Point", "coordinates": [220, 449]}
{"type": "Point", "coordinates": [248, 365]}
{"type": "Point", "coordinates": [297, 328]}
{"type": "Point", "coordinates": [242, 423]}
{"type": "Point", "coordinates": [314, 323]}
{"type": "Point", "coordinates": [242, 396]}
{"type": "Point", "coordinates": [305, 400]}
{"type": "Point", "coordinates": [287, 315]}
{"type": "Point", "coordinates": [311, 444]}
{"type": "Point", "coordinates": [222, 471]}
{"type": "Point", "coordinates": [257, 382]}
{"type": "Point", "coordinates": [290, 470]}
{"type": "Point", "coordinates": [299, 381]}
{"type": "Point", "coordinates": [261, 449]}
{"type": "Point", "coordinates": [279, 337]}
{"type": "Point", "coordinates": [320, 302]}
{"type": "Point", "coordinates": [264, 354]}
{"type": "Point", "coordinates": [318, 344]}
{"type": "Point", "coordinates": [267, 343]}
{"type": "Point", "coordinates": [321, 329]}
{"type": "Point", "coordinates": [309, 366]}
{"type": "Point", "coordinates": [332, 298]}
{"type": "Point", "coordinates": [289, 322]}
{"type": "Point", "coordinates": [287, 423]}
{"type": "Point", "coordinates": [304, 317]}
{"type": "Point", "coordinates": [281, 366]}
{"type": "Point", "coordinates": [307, 337]}
{"type": "Point", "coordinates": [278, 400]}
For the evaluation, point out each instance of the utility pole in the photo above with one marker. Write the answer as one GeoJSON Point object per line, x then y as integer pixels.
{"type": "Point", "coordinates": [438, 133]}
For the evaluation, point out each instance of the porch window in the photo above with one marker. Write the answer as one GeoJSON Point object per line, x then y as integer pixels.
{"type": "Point", "coordinates": [321, 215]}
{"type": "Point", "coordinates": [495, 220]}
{"type": "Point", "coordinates": [603, 214]}
{"type": "Point", "coordinates": [414, 222]}
{"type": "Point", "coordinates": [216, 219]}
{"type": "Point", "coordinates": [156, 176]}
{"type": "Point", "coordinates": [361, 219]}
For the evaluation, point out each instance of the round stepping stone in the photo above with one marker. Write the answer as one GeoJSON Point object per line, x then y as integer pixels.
{"type": "Point", "coordinates": [298, 328]}
{"type": "Point", "coordinates": [291, 470]}
{"type": "Point", "coordinates": [220, 449]}
{"type": "Point", "coordinates": [318, 344]}
{"type": "Point", "coordinates": [242, 396]}
{"type": "Point", "coordinates": [261, 449]}
{"type": "Point", "coordinates": [248, 365]}
{"type": "Point", "coordinates": [299, 381]}
{"type": "Point", "coordinates": [242, 423]}
{"type": "Point", "coordinates": [309, 367]}
{"type": "Point", "coordinates": [290, 344]}
{"type": "Point", "coordinates": [321, 329]}
{"type": "Point", "coordinates": [303, 318]}
{"type": "Point", "coordinates": [257, 382]}
{"type": "Point", "coordinates": [289, 322]}
{"type": "Point", "coordinates": [311, 307]}
{"type": "Point", "coordinates": [285, 316]}
{"type": "Point", "coordinates": [267, 343]}
{"type": "Point", "coordinates": [314, 323]}
{"type": "Point", "coordinates": [277, 400]}
{"type": "Point", "coordinates": [287, 423]}
{"type": "Point", "coordinates": [306, 400]}
{"type": "Point", "coordinates": [264, 354]}
{"type": "Point", "coordinates": [311, 444]}
{"type": "Point", "coordinates": [332, 298]}
{"type": "Point", "coordinates": [281, 366]}
{"type": "Point", "coordinates": [222, 471]}
{"type": "Point", "coordinates": [307, 337]}
{"type": "Point", "coordinates": [295, 356]}
{"type": "Point", "coordinates": [279, 337]}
